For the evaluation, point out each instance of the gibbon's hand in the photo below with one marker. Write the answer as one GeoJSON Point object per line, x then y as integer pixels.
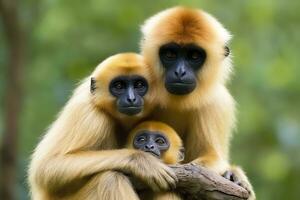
{"type": "Point", "coordinates": [152, 171]}
{"type": "Point", "coordinates": [236, 175]}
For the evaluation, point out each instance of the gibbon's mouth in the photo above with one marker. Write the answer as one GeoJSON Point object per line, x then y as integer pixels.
{"type": "Point", "coordinates": [130, 110]}
{"type": "Point", "coordinates": [180, 88]}
{"type": "Point", "coordinates": [181, 84]}
{"type": "Point", "coordinates": [154, 154]}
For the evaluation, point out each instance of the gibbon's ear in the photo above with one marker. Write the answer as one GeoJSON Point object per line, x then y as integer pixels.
{"type": "Point", "coordinates": [93, 85]}
{"type": "Point", "coordinates": [181, 154]}
{"type": "Point", "coordinates": [227, 51]}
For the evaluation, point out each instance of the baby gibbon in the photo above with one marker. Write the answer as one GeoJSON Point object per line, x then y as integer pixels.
{"type": "Point", "coordinates": [161, 141]}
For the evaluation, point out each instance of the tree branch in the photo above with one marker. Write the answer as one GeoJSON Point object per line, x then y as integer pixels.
{"type": "Point", "coordinates": [196, 182]}
{"type": "Point", "coordinates": [200, 183]}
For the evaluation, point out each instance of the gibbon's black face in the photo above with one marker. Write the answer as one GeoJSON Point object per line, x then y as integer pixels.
{"type": "Point", "coordinates": [129, 91]}
{"type": "Point", "coordinates": [152, 142]}
{"type": "Point", "coordinates": [181, 64]}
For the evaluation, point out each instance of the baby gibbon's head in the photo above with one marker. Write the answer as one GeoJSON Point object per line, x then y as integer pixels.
{"type": "Point", "coordinates": [159, 139]}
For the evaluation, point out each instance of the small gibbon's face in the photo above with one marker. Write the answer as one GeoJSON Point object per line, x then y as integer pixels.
{"type": "Point", "coordinates": [181, 64]}
{"type": "Point", "coordinates": [129, 92]}
{"type": "Point", "coordinates": [153, 142]}
{"type": "Point", "coordinates": [159, 139]}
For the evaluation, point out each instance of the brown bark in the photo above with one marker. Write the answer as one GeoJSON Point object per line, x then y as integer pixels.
{"type": "Point", "coordinates": [196, 182]}
{"type": "Point", "coordinates": [15, 62]}
{"type": "Point", "coordinates": [200, 183]}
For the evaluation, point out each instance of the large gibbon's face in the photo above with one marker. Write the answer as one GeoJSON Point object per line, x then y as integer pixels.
{"type": "Point", "coordinates": [188, 49]}
{"type": "Point", "coordinates": [181, 64]}
{"type": "Point", "coordinates": [120, 85]}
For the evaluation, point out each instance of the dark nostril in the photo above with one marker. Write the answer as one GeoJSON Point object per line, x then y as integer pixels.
{"type": "Point", "coordinates": [176, 73]}
{"type": "Point", "coordinates": [131, 100]}
{"type": "Point", "coordinates": [180, 74]}
{"type": "Point", "coordinates": [149, 147]}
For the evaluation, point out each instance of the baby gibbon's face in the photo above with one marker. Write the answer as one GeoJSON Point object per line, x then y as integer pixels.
{"type": "Point", "coordinates": [150, 141]}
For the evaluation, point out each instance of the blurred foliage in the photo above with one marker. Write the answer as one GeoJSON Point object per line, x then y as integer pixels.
{"type": "Point", "coordinates": [67, 39]}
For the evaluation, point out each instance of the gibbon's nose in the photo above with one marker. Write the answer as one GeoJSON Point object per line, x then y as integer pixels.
{"type": "Point", "coordinates": [131, 98]}
{"type": "Point", "coordinates": [180, 71]}
{"type": "Point", "coordinates": [149, 146]}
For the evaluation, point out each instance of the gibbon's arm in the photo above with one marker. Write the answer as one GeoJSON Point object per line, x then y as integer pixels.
{"type": "Point", "coordinates": [212, 127]}
{"type": "Point", "coordinates": [74, 148]}
{"type": "Point", "coordinates": [60, 171]}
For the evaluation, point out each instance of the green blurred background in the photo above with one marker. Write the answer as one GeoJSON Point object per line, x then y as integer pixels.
{"type": "Point", "coordinates": [64, 40]}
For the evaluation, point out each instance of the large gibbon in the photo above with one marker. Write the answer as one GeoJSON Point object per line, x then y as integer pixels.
{"type": "Point", "coordinates": [188, 50]}
{"type": "Point", "coordinates": [81, 152]}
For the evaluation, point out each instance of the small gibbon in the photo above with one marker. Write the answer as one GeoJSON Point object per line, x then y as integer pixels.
{"type": "Point", "coordinates": [188, 50]}
{"type": "Point", "coordinates": [80, 153]}
{"type": "Point", "coordinates": [161, 141]}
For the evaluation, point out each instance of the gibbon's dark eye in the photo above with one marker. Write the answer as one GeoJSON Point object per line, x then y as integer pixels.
{"type": "Point", "coordinates": [119, 85]}
{"type": "Point", "coordinates": [194, 55]}
{"type": "Point", "coordinates": [139, 84]}
{"type": "Point", "coordinates": [141, 139]}
{"type": "Point", "coordinates": [160, 141]}
{"type": "Point", "coordinates": [170, 54]}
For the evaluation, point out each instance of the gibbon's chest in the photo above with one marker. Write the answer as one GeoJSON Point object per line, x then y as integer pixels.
{"type": "Point", "coordinates": [176, 119]}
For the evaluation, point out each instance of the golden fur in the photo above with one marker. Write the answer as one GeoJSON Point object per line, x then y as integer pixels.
{"type": "Point", "coordinates": [204, 118]}
{"type": "Point", "coordinates": [79, 154]}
